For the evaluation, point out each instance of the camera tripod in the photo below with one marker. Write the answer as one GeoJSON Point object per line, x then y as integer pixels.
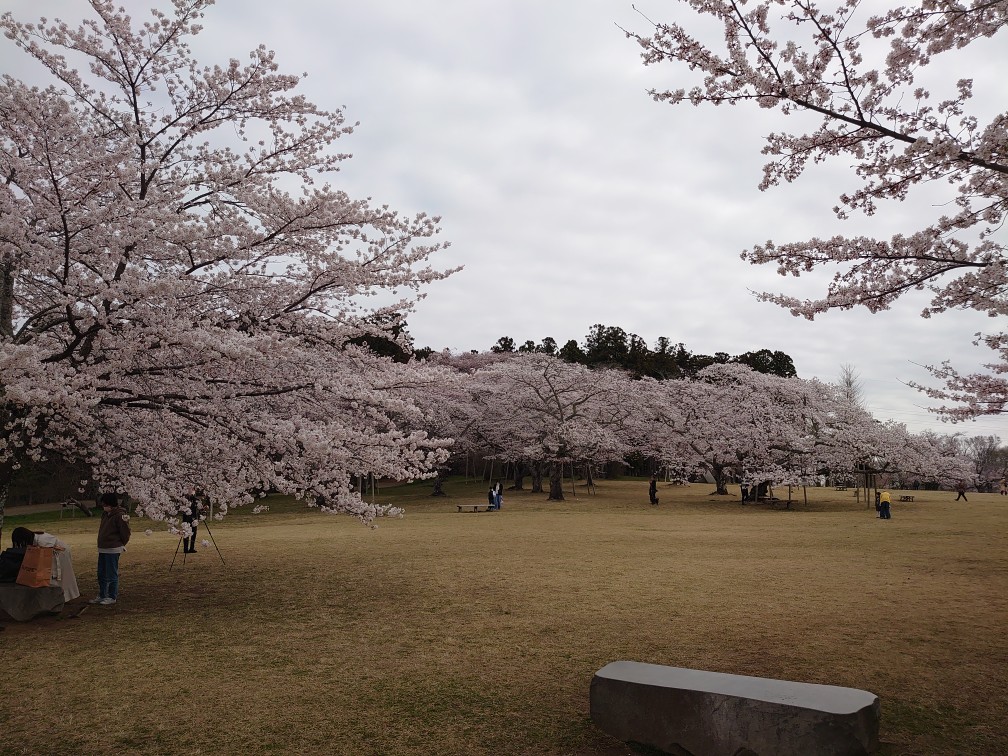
{"type": "Point", "coordinates": [182, 538]}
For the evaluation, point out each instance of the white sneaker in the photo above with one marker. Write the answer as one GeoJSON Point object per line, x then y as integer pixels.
{"type": "Point", "coordinates": [96, 600]}
{"type": "Point", "coordinates": [107, 601]}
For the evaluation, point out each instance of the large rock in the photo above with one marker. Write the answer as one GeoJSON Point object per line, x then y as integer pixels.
{"type": "Point", "coordinates": [23, 603]}
{"type": "Point", "coordinates": [689, 712]}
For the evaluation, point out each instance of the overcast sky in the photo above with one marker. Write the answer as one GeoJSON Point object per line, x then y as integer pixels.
{"type": "Point", "coordinates": [570, 197]}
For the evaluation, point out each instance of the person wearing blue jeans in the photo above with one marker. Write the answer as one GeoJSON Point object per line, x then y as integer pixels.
{"type": "Point", "coordinates": [113, 535]}
{"type": "Point", "coordinates": [885, 506]}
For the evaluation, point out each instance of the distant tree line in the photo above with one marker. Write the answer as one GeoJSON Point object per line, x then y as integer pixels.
{"type": "Point", "coordinates": [614, 348]}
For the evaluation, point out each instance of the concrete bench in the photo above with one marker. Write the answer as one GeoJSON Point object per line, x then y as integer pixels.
{"type": "Point", "coordinates": [23, 603]}
{"type": "Point", "coordinates": [906, 497]}
{"type": "Point", "coordinates": [691, 712]}
{"type": "Point", "coordinates": [473, 507]}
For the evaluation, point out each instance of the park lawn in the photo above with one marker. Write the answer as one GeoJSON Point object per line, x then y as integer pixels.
{"type": "Point", "coordinates": [462, 633]}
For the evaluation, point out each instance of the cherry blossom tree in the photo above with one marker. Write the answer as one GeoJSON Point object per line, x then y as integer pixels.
{"type": "Point", "coordinates": [855, 446]}
{"type": "Point", "coordinates": [799, 58]}
{"type": "Point", "coordinates": [732, 420]}
{"type": "Point", "coordinates": [181, 284]}
{"type": "Point", "coordinates": [541, 408]}
{"type": "Point", "coordinates": [982, 453]}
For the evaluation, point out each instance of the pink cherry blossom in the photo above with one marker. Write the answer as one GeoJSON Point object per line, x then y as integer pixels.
{"type": "Point", "coordinates": [181, 281]}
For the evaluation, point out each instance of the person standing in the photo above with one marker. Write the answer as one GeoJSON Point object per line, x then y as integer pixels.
{"type": "Point", "coordinates": [191, 515]}
{"type": "Point", "coordinates": [961, 491]}
{"type": "Point", "coordinates": [1004, 487]}
{"type": "Point", "coordinates": [113, 535]}
{"type": "Point", "coordinates": [885, 506]}
{"type": "Point", "coordinates": [653, 489]}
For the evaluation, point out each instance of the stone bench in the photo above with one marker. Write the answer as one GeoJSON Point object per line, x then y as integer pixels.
{"type": "Point", "coordinates": [23, 603]}
{"type": "Point", "coordinates": [690, 712]}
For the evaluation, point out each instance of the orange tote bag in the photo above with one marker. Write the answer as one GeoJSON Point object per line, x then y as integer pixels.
{"type": "Point", "coordinates": [36, 569]}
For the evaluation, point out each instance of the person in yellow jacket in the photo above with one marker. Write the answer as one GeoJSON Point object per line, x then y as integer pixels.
{"type": "Point", "coordinates": [885, 503]}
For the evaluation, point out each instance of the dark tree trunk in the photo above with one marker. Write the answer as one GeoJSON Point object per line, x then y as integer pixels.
{"type": "Point", "coordinates": [519, 476]}
{"type": "Point", "coordinates": [720, 480]}
{"type": "Point", "coordinates": [537, 476]}
{"type": "Point", "coordinates": [556, 482]}
{"type": "Point", "coordinates": [7, 297]}
{"type": "Point", "coordinates": [4, 493]}
{"type": "Point", "coordinates": [437, 486]}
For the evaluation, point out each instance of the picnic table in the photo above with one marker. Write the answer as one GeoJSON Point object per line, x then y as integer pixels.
{"type": "Point", "coordinates": [906, 497]}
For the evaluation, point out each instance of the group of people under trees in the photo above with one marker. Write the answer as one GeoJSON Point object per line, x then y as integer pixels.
{"type": "Point", "coordinates": [113, 536]}
{"type": "Point", "coordinates": [883, 499]}
{"type": "Point", "coordinates": [495, 496]}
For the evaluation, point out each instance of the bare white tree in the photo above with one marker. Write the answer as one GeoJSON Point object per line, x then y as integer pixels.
{"type": "Point", "coordinates": [851, 388]}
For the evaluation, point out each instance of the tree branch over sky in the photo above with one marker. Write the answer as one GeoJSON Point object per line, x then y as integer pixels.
{"type": "Point", "coordinates": [796, 57]}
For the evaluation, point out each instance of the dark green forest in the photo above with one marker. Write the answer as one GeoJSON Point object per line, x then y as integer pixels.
{"type": "Point", "coordinates": [612, 347]}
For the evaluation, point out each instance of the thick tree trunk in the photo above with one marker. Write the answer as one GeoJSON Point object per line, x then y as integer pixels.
{"type": "Point", "coordinates": [556, 482]}
{"type": "Point", "coordinates": [519, 476]}
{"type": "Point", "coordinates": [537, 476]}
{"type": "Point", "coordinates": [7, 297]}
{"type": "Point", "coordinates": [437, 486]}
{"type": "Point", "coordinates": [720, 482]}
{"type": "Point", "coordinates": [4, 493]}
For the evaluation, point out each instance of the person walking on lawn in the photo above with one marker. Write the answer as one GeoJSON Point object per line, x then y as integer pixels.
{"type": "Point", "coordinates": [113, 535]}
{"type": "Point", "coordinates": [961, 491]}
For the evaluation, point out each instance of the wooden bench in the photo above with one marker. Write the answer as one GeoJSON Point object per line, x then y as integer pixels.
{"type": "Point", "coordinates": [906, 497]}
{"type": "Point", "coordinates": [473, 507]}
{"type": "Point", "coordinates": [678, 710]}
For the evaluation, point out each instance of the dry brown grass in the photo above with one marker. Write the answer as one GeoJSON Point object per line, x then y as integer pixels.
{"type": "Point", "coordinates": [454, 633]}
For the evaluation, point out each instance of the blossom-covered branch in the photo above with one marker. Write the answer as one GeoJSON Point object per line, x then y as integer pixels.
{"type": "Point", "coordinates": [798, 57]}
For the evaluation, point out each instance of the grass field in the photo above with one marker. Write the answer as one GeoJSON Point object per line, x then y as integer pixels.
{"type": "Point", "coordinates": [449, 633]}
